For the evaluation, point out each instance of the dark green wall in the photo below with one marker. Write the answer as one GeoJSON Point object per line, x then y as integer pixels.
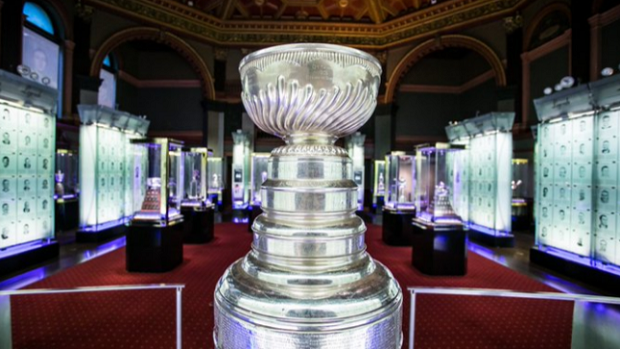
{"type": "Point", "coordinates": [610, 56]}
{"type": "Point", "coordinates": [427, 114]}
{"type": "Point", "coordinates": [546, 71]}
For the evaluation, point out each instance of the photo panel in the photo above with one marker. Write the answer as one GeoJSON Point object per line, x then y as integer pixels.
{"type": "Point", "coordinates": [8, 164]}
{"type": "Point", "coordinates": [582, 172]}
{"type": "Point", "coordinates": [45, 228]}
{"type": "Point", "coordinates": [606, 173]}
{"type": "Point", "coordinates": [582, 129]}
{"type": "Point", "coordinates": [607, 147]}
{"type": "Point", "coordinates": [606, 198]}
{"type": "Point", "coordinates": [8, 188]}
{"type": "Point", "coordinates": [8, 235]}
{"type": "Point", "coordinates": [44, 207]}
{"type": "Point", "coordinates": [547, 193]}
{"type": "Point", "coordinates": [45, 186]}
{"type": "Point", "coordinates": [26, 186]}
{"type": "Point", "coordinates": [546, 214]}
{"type": "Point", "coordinates": [8, 210]}
{"type": "Point", "coordinates": [607, 124]}
{"type": "Point", "coordinates": [8, 118]}
{"type": "Point", "coordinates": [561, 217]}
{"type": "Point", "coordinates": [27, 141]}
{"type": "Point", "coordinates": [604, 250]}
{"type": "Point", "coordinates": [27, 230]}
{"type": "Point", "coordinates": [562, 194]}
{"type": "Point", "coordinates": [45, 165]}
{"type": "Point", "coordinates": [27, 163]}
{"type": "Point", "coordinates": [26, 208]}
{"type": "Point", "coordinates": [581, 196]}
{"type": "Point", "coordinates": [545, 234]}
{"type": "Point", "coordinates": [562, 172]}
{"type": "Point", "coordinates": [8, 141]}
{"type": "Point", "coordinates": [27, 121]}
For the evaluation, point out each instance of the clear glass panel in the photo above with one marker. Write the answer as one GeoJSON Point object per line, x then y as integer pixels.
{"type": "Point", "coordinates": [401, 181]}
{"type": "Point", "coordinates": [260, 164]}
{"type": "Point", "coordinates": [66, 175]}
{"type": "Point", "coordinates": [215, 179]}
{"type": "Point", "coordinates": [378, 180]}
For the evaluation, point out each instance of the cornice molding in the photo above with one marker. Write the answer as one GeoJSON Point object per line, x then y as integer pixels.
{"type": "Point", "coordinates": [439, 18]}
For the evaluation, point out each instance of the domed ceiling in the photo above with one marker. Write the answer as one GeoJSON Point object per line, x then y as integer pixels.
{"type": "Point", "coordinates": [369, 24]}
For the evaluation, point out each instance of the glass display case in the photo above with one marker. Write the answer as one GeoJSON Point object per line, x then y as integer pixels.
{"type": "Point", "coordinates": [165, 182]}
{"type": "Point", "coordinates": [215, 178]}
{"type": "Point", "coordinates": [260, 164]}
{"type": "Point", "coordinates": [240, 170]}
{"type": "Point", "coordinates": [111, 170]}
{"type": "Point", "coordinates": [355, 148]}
{"type": "Point", "coordinates": [436, 190]}
{"type": "Point", "coordinates": [66, 176]}
{"type": "Point", "coordinates": [577, 186]}
{"type": "Point", "coordinates": [195, 178]}
{"type": "Point", "coordinates": [520, 180]}
{"type": "Point", "coordinates": [401, 179]}
{"type": "Point", "coordinates": [378, 191]}
{"type": "Point", "coordinates": [27, 154]}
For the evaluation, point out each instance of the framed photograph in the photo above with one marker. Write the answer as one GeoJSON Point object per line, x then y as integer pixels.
{"type": "Point", "coordinates": [606, 198]}
{"type": "Point", "coordinates": [607, 123]}
{"type": "Point", "coordinates": [8, 188]}
{"type": "Point", "coordinates": [582, 172]}
{"type": "Point", "coordinates": [26, 164]}
{"type": "Point", "coordinates": [604, 246]}
{"type": "Point", "coordinates": [26, 208]}
{"type": "Point", "coordinates": [26, 186]}
{"type": "Point", "coordinates": [8, 237]}
{"type": "Point", "coordinates": [582, 197]}
{"type": "Point", "coordinates": [562, 194]}
{"type": "Point", "coordinates": [8, 118]}
{"type": "Point", "coordinates": [606, 173]}
{"type": "Point", "coordinates": [8, 210]}
{"type": "Point", "coordinates": [45, 165]}
{"type": "Point", "coordinates": [45, 186]}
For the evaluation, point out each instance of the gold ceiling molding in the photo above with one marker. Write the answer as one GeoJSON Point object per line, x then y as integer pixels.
{"type": "Point", "coordinates": [430, 21]}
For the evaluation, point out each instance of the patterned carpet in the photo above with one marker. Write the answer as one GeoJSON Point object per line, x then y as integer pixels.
{"type": "Point", "coordinates": [145, 319]}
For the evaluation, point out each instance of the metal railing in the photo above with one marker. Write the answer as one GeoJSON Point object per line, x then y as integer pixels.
{"type": "Point", "coordinates": [5, 304]}
{"type": "Point", "coordinates": [577, 298]}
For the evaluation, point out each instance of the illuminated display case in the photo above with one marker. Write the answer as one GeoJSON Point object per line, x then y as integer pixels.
{"type": "Point", "coordinates": [401, 180]}
{"type": "Point", "coordinates": [484, 202]}
{"type": "Point", "coordinates": [240, 170]}
{"type": "Point", "coordinates": [577, 187]}
{"type": "Point", "coordinates": [164, 184]}
{"type": "Point", "coordinates": [438, 176]}
{"type": "Point", "coordinates": [378, 191]}
{"type": "Point", "coordinates": [521, 194]}
{"type": "Point", "coordinates": [27, 154]}
{"type": "Point", "coordinates": [111, 171]}
{"type": "Point", "coordinates": [195, 178]}
{"type": "Point", "coordinates": [355, 148]}
{"type": "Point", "coordinates": [215, 179]}
{"type": "Point", "coordinates": [66, 176]}
{"type": "Point", "coordinates": [260, 163]}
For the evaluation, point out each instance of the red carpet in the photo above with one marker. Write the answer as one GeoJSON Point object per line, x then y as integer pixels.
{"type": "Point", "coordinates": [137, 319]}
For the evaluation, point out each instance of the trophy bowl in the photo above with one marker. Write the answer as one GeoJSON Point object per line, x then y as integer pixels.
{"type": "Point", "coordinates": [309, 89]}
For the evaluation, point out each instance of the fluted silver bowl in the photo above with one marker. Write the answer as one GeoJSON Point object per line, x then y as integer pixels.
{"type": "Point", "coordinates": [309, 89]}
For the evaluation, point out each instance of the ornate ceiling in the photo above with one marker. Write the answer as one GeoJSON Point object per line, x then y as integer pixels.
{"type": "Point", "coordinates": [368, 24]}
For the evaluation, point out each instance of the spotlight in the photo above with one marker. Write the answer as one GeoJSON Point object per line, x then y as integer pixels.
{"type": "Point", "coordinates": [609, 71]}
{"type": "Point", "coordinates": [558, 87]}
{"type": "Point", "coordinates": [548, 91]}
{"type": "Point", "coordinates": [567, 82]}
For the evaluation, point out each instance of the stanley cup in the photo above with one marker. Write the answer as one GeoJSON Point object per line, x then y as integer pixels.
{"type": "Point", "coordinates": [308, 281]}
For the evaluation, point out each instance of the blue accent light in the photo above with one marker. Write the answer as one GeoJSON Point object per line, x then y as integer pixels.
{"type": "Point", "coordinates": [107, 61]}
{"type": "Point", "coordinates": [238, 220]}
{"type": "Point", "coordinates": [104, 226]}
{"type": "Point", "coordinates": [29, 246]}
{"type": "Point", "coordinates": [586, 261]}
{"type": "Point", "coordinates": [37, 16]}
{"type": "Point", "coordinates": [489, 231]}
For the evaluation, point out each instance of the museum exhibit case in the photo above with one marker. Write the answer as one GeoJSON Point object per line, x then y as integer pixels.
{"type": "Point", "coordinates": [66, 190]}
{"type": "Point", "coordinates": [378, 186]}
{"type": "Point", "coordinates": [484, 201]}
{"type": "Point", "coordinates": [439, 237]}
{"type": "Point", "coordinates": [240, 187]}
{"type": "Point", "coordinates": [27, 152]}
{"type": "Point", "coordinates": [259, 168]}
{"type": "Point", "coordinates": [521, 196]}
{"type": "Point", "coordinates": [399, 208]}
{"type": "Point", "coordinates": [215, 178]}
{"type": "Point", "coordinates": [110, 177]}
{"type": "Point", "coordinates": [355, 147]}
{"type": "Point", "coordinates": [196, 207]}
{"type": "Point", "coordinates": [279, 295]}
{"type": "Point", "coordinates": [155, 232]}
{"type": "Point", "coordinates": [577, 182]}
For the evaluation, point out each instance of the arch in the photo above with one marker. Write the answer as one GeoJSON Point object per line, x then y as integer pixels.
{"type": "Point", "coordinates": [162, 37]}
{"type": "Point", "coordinates": [432, 45]}
{"type": "Point", "coordinates": [58, 11]}
{"type": "Point", "coordinates": [540, 16]}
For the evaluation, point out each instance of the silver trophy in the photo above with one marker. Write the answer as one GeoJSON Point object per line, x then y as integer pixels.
{"type": "Point", "coordinates": [308, 281]}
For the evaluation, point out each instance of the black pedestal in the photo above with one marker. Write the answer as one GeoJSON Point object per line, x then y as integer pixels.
{"type": "Point", "coordinates": [100, 235]}
{"type": "Point", "coordinates": [439, 252]}
{"type": "Point", "coordinates": [198, 225]}
{"type": "Point", "coordinates": [521, 216]}
{"type": "Point", "coordinates": [378, 206]}
{"type": "Point", "coordinates": [397, 228]}
{"type": "Point", "coordinates": [253, 212]}
{"type": "Point", "coordinates": [491, 240]}
{"type": "Point", "coordinates": [25, 259]}
{"type": "Point", "coordinates": [574, 269]}
{"type": "Point", "coordinates": [67, 214]}
{"type": "Point", "coordinates": [154, 249]}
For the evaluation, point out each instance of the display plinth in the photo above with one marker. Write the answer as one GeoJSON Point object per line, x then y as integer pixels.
{"type": "Point", "coordinates": [154, 249]}
{"type": "Point", "coordinates": [67, 214]}
{"type": "Point", "coordinates": [578, 268]}
{"type": "Point", "coordinates": [492, 240]}
{"type": "Point", "coordinates": [522, 215]}
{"type": "Point", "coordinates": [102, 234]}
{"type": "Point", "coordinates": [397, 228]}
{"type": "Point", "coordinates": [253, 212]}
{"type": "Point", "coordinates": [439, 251]}
{"type": "Point", "coordinates": [198, 225]}
{"type": "Point", "coordinates": [22, 260]}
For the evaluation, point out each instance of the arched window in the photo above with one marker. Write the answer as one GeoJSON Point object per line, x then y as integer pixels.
{"type": "Point", "coordinates": [41, 50]}
{"type": "Point", "coordinates": [107, 90]}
